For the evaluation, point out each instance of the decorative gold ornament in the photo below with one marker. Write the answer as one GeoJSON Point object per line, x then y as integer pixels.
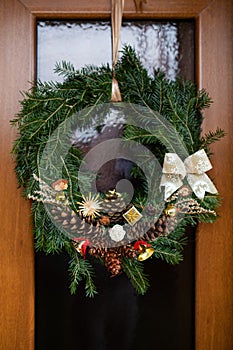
{"type": "Point", "coordinates": [145, 252]}
{"type": "Point", "coordinates": [90, 206]}
{"type": "Point", "coordinates": [192, 207]}
{"type": "Point", "coordinates": [132, 216]}
{"type": "Point", "coordinates": [171, 210]}
{"type": "Point", "coordinates": [60, 197]}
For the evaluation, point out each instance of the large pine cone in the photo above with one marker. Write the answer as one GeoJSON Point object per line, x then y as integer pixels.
{"type": "Point", "coordinates": [162, 227]}
{"type": "Point", "coordinates": [71, 223]}
{"type": "Point", "coordinates": [139, 229]}
{"type": "Point", "coordinates": [113, 205]}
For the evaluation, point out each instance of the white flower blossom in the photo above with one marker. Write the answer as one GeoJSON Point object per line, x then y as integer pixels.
{"type": "Point", "coordinates": [117, 233]}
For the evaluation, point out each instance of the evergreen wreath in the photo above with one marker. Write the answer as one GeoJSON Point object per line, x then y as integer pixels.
{"type": "Point", "coordinates": [49, 104]}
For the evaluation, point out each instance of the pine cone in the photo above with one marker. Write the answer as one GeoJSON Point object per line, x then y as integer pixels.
{"type": "Point", "coordinates": [113, 205]}
{"type": "Point", "coordinates": [97, 252]}
{"type": "Point", "coordinates": [150, 210]}
{"type": "Point", "coordinates": [138, 230]}
{"type": "Point", "coordinates": [99, 239]}
{"type": "Point", "coordinates": [128, 251]}
{"type": "Point", "coordinates": [113, 256]}
{"type": "Point", "coordinates": [171, 223]}
{"type": "Point", "coordinates": [113, 261]}
{"type": "Point", "coordinates": [70, 222]}
{"type": "Point", "coordinates": [163, 226]}
{"type": "Point", "coordinates": [88, 219]}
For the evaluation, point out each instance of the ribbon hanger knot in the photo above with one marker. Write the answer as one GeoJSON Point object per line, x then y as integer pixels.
{"type": "Point", "coordinates": [193, 167]}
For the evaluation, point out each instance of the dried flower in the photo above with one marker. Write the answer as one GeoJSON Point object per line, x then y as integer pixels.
{"type": "Point", "coordinates": [90, 206]}
{"type": "Point", "coordinates": [117, 233]}
{"type": "Point", "coordinates": [60, 185]}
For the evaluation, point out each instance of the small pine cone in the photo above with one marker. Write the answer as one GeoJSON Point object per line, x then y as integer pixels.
{"type": "Point", "coordinates": [113, 261]}
{"type": "Point", "coordinates": [97, 252]}
{"type": "Point", "coordinates": [128, 251]}
{"type": "Point", "coordinates": [104, 220]}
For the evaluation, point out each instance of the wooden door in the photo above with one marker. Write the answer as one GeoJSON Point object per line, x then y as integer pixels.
{"type": "Point", "coordinates": [214, 259]}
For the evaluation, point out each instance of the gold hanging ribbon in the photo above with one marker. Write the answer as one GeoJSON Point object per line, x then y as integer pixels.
{"type": "Point", "coordinates": [193, 167]}
{"type": "Point", "coordinates": [116, 20]}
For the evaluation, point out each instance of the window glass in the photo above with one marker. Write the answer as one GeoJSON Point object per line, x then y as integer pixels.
{"type": "Point", "coordinates": [81, 43]}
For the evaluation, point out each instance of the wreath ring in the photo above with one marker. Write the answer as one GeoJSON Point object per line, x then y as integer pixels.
{"type": "Point", "coordinates": [59, 206]}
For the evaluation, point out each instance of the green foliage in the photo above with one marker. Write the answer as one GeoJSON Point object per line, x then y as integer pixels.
{"type": "Point", "coordinates": [169, 248]}
{"type": "Point", "coordinates": [211, 137]}
{"type": "Point", "coordinates": [48, 238]}
{"type": "Point", "coordinates": [81, 269]}
{"type": "Point", "coordinates": [47, 105]}
{"type": "Point", "coordinates": [134, 270]}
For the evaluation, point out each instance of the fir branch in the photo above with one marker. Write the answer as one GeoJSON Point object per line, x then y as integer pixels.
{"type": "Point", "coordinates": [168, 254]}
{"type": "Point", "coordinates": [80, 269]}
{"type": "Point", "coordinates": [211, 137]}
{"type": "Point", "coordinates": [134, 270]}
{"type": "Point", "coordinates": [179, 119]}
{"type": "Point", "coordinates": [46, 121]}
{"type": "Point", "coordinates": [169, 248]}
{"type": "Point", "coordinates": [169, 241]}
{"type": "Point", "coordinates": [165, 133]}
{"type": "Point", "coordinates": [64, 68]}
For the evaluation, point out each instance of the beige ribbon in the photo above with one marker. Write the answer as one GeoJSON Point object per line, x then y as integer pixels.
{"type": "Point", "coordinates": [193, 167]}
{"type": "Point", "coordinates": [116, 20]}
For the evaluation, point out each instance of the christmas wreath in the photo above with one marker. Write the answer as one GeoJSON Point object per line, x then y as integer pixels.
{"type": "Point", "coordinates": [117, 226]}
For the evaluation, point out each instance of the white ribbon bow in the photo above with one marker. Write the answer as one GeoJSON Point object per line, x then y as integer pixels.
{"type": "Point", "coordinates": [193, 167]}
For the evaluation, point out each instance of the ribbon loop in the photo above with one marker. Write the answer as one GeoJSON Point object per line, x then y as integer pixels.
{"type": "Point", "coordinates": [193, 167]}
{"type": "Point", "coordinates": [197, 163]}
{"type": "Point", "coordinates": [116, 21]}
